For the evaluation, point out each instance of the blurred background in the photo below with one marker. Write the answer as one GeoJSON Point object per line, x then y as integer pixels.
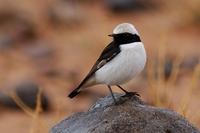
{"type": "Point", "coordinates": [47, 47]}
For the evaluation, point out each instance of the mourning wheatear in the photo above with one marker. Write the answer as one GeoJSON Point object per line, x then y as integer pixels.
{"type": "Point", "coordinates": [120, 61]}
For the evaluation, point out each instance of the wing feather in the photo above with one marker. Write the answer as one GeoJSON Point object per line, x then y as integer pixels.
{"type": "Point", "coordinates": [107, 55]}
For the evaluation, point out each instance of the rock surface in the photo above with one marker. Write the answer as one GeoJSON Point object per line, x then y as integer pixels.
{"type": "Point", "coordinates": [130, 115]}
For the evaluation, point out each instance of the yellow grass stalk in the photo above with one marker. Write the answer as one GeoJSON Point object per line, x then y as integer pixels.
{"type": "Point", "coordinates": [188, 93]}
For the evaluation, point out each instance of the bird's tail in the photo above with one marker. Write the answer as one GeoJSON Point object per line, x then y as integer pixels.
{"type": "Point", "coordinates": [77, 90]}
{"type": "Point", "coordinates": [85, 83]}
{"type": "Point", "coordinates": [74, 92]}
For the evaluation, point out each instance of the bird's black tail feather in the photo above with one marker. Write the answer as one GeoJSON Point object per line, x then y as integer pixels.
{"type": "Point", "coordinates": [77, 90]}
{"type": "Point", "coordinates": [74, 93]}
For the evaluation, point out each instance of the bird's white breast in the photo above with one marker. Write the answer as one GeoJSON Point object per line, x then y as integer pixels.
{"type": "Point", "coordinates": [127, 64]}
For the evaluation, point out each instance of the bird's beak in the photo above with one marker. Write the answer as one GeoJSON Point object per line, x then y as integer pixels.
{"type": "Point", "coordinates": [111, 35]}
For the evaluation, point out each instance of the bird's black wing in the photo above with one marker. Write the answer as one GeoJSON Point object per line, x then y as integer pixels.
{"type": "Point", "coordinates": [107, 55]}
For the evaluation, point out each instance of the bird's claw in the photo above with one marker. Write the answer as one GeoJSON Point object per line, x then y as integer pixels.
{"type": "Point", "coordinates": [130, 94]}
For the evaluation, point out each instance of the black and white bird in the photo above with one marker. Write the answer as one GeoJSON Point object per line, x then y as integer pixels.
{"type": "Point", "coordinates": [120, 61]}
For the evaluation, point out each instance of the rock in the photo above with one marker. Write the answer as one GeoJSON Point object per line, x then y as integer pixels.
{"type": "Point", "coordinates": [6, 41]}
{"type": "Point", "coordinates": [27, 92]}
{"type": "Point", "coordinates": [39, 50]}
{"type": "Point", "coordinates": [18, 25]}
{"type": "Point", "coordinates": [50, 72]}
{"type": "Point", "coordinates": [190, 63]}
{"type": "Point", "coordinates": [7, 15]}
{"type": "Point", "coordinates": [168, 68]}
{"type": "Point", "coordinates": [118, 6]}
{"type": "Point", "coordinates": [130, 115]}
{"type": "Point", "coordinates": [65, 13]}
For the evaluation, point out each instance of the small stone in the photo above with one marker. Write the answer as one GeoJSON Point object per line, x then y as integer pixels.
{"type": "Point", "coordinates": [168, 68]}
{"type": "Point", "coordinates": [19, 26]}
{"type": "Point", "coordinates": [39, 49]}
{"type": "Point", "coordinates": [118, 6]}
{"type": "Point", "coordinates": [6, 42]}
{"type": "Point", "coordinates": [65, 13]}
{"type": "Point", "coordinates": [190, 63]}
{"type": "Point", "coordinates": [27, 92]}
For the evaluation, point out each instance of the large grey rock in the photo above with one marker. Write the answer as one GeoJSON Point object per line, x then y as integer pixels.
{"type": "Point", "coordinates": [130, 115]}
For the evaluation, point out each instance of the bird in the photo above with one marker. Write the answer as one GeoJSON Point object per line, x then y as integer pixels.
{"type": "Point", "coordinates": [120, 61]}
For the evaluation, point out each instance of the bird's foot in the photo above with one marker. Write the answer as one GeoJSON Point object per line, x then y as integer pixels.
{"type": "Point", "coordinates": [130, 94]}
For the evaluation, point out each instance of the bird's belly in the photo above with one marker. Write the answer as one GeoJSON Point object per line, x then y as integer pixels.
{"type": "Point", "coordinates": [123, 67]}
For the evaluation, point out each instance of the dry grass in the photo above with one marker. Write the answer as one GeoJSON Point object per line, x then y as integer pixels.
{"type": "Point", "coordinates": [165, 93]}
{"type": "Point", "coordinates": [38, 124]}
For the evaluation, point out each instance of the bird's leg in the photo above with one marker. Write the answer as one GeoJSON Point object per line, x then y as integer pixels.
{"type": "Point", "coordinates": [122, 89]}
{"type": "Point", "coordinates": [112, 94]}
{"type": "Point", "coordinates": [128, 93]}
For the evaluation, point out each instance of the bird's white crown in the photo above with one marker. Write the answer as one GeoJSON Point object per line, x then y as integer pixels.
{"type": "Point", "coordinates": [125, 28]}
